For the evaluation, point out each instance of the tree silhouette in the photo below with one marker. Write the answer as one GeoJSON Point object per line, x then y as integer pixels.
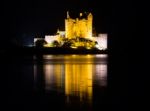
{"type": "Point", "coordinates": [40, 43]}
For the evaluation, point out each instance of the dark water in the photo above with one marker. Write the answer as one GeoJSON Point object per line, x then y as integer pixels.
{"type": "Point", "coordinates": [58, 82]}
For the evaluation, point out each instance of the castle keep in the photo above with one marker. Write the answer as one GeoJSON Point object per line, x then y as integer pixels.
{"type": "Point", "coordinates": [79, 27]}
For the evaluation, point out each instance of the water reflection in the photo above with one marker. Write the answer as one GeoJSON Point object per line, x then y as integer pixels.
{"type": "Point", "coordinates": [101, 74]}
{"type": "Point", "coordinates": [72, 75]}
{"type": "Point", "coordinates": [78, 81]}
{"type": "Point", "coordinates": [54, 76]}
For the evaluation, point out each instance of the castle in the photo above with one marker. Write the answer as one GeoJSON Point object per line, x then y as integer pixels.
{"type": "Point", "coordinates": [79, 27]}
{"type": "Point", "coordinates": [78, 33]}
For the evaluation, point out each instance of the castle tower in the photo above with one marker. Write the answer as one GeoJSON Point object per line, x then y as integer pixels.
{"type": "Point", "coordinates": [68, 14]}
{"type": "Point", "coordinates": [69, 26]}
{"type": "Point", "coordinates": [78, 27]}
{"type": "Point", "coordinates": [90, 22]}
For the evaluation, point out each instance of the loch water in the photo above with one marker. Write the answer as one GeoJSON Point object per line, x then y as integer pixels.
{"type": "Point", "coordinates": [57, 82]}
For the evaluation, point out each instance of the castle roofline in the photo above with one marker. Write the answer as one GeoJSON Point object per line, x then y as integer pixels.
{"type": "Point", "coordinates": [84, 15]}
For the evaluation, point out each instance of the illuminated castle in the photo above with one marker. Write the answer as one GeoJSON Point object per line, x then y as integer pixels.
{"type": "Point", "coordinates": [79, 27]}
{"type": "Point", "coordinates": [78, 33]}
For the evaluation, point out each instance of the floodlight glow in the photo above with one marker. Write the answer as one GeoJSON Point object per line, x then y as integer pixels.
{"type": "Point", "coordinates": [102, 41]}
{"type": "Point", "coordinates": [50, 38]}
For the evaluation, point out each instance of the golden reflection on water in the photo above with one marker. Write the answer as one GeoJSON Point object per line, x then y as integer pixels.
{"type": "Point", "coordinates": [78, 80]}
{"type": "Point", "coordinates": [74, 75]}
{"type": "Point", "coordinates": [53, 76]}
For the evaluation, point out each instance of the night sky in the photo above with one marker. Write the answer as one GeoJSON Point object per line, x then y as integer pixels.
{"type": "Point", "coordinates": [25, 19]}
